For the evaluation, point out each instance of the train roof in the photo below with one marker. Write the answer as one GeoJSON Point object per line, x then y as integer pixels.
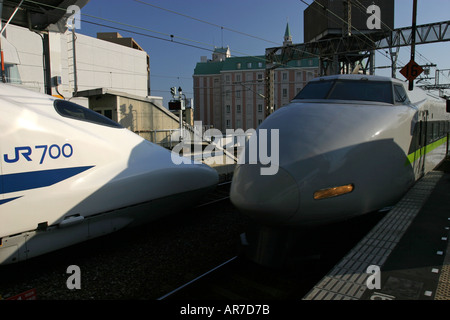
{"type": "Point", "coordinates": [357, 77]}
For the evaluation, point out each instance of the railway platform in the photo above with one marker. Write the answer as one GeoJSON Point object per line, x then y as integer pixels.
{"type": "Point", "coordinates": [406, 256]}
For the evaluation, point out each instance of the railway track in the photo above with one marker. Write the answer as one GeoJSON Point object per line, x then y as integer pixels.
{"type": "Point", "coordinates": [238, 278]}
{"type": "Point", "coordinates": [241, 279]}
{"type": "Point", "coordinates": [222, 192]}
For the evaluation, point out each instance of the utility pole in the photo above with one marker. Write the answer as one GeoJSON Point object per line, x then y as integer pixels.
{"type": "Point", "coordinates": [413, 40]}
{"type": "Point", "coordinates": [348, 13]}
{"type": "Point", "coordinates": [178, 105]}
{"type": "Point", "coordinates": [269, 91]}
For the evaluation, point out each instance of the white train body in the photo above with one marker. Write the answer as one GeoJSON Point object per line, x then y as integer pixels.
{"type": "Point", "coordinates": [69, 174]}
{"type": "Point", "coordinates": [344, 155]}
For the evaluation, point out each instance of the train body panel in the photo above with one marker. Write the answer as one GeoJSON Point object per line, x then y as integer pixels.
{"type": "Point", "coordinates": [62, 165]}
{"type": "Point", "coordinates": [339, 158]}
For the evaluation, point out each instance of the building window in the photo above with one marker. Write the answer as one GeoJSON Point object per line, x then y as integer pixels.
{"type": "Point", "coordinates": [284, 76]}
{"type": "Point", "coordinates": [227, 94]}
{"type": "Point", "coordinates": [12, 73]}
{"type": "Point", "coordinates": [238, 78]}
{"type": "Point", "coordinates": [238, 123]}
{"type": "Point", "coordinates": [249, 65]}
{"type": "Point", "coordinates": [284, 93]}
{"type": "Point", "coordinates": [227, 78]}
{"type": "Point", "coordinates": [108, 113]}
{"type": "Point", "coordinates": [238, 65]}
{"type": "Point", "coordinates": [228, 108]}
{"type": "Point", "coordinates": [260, 108]}
{"type": "Point", "coordinates": [238, 93]}
{"type": "Point", "coordinates": [238, 108]}
{"type": "Point", "coordinates": [260, 76]}
{"type": "Point", "coordinates": [228, 122]}
{"type": "Point", "coordinates": [260, 64]}
{"type": "Point", "coordinates": [259, 121]}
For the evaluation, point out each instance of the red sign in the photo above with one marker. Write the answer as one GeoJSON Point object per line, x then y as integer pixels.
{"type": "Point", "coordinates": [411, 71]}
{"type": "Point", "coordinates": [27, 295]}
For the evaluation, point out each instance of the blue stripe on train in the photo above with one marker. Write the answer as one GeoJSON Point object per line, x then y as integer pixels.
{"type": "Point", "coordinates": [36, 179]}
{"type": "Point", "coordinates": [8, 200]}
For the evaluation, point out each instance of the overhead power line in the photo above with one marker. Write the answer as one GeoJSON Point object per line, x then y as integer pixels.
{"type": "Point", "coordinates": [168, 37]}
{"type": "Point", "coordinates": [207, 22]}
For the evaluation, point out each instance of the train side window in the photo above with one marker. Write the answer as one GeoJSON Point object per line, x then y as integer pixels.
{"type": "Point", "coordinates": [400, 95]}
{"type": "Point", "coordinates": [74, 111]}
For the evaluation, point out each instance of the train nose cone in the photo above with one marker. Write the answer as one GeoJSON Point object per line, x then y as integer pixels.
{"type": "Point", "coordinates": [267, 198]}
{"type": "Point", "coordinates": [197, 176]}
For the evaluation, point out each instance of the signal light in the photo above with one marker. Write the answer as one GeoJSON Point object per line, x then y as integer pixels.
{"type": "Point", "coordinates": [174, 105]}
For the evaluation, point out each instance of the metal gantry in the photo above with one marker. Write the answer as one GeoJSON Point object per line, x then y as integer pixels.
{"type": "Point", "coordinates": [342, 54]}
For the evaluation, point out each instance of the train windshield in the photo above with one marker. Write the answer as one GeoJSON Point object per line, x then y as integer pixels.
{"type": "Point", "coordinates": [74, 111]}
{"type": "Point", "coordinates": [337, 89]}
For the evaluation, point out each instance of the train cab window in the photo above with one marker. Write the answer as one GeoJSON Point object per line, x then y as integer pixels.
{"type": "Point", "coordinates": [380, 91]}
{"type": "Point", "coordinates": [400, 95]}
{"type": "Point", "coordinates": [315, 90]}
{"type": "Point", "coordinates": [347, 90]}
{"type": "Point", "coordinates": [74, 111]}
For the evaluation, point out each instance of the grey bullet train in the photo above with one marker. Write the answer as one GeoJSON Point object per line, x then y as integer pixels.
{"type": "Point", "coordinates": [348, 145]}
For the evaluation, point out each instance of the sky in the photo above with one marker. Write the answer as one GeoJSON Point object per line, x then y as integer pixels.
{"type": "Point", "coordinates": [248, 27]}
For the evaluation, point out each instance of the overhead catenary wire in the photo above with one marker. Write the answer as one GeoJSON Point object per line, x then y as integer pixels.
{"type": "Point", "coordinates": [207, 22]}
{"type": "Point", "coordinates": [170, 37]}
{"type": "Point", "coordinates": [222, 28]}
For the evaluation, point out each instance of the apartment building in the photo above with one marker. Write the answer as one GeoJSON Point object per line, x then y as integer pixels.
{"type": "Point", "coordinates": [229, 92]}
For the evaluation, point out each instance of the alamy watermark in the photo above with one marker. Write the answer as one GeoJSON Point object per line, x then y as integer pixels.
{"type": "Point", "coordinates": [374, 20]}
{"type": "Point", "coordinates": [74, 280]}
{"type": "Point", "coordinates": [374, 280]}
{"type": "Point", "coordinates": [74, 18]}
{"type": "Point", "coordinates": [262, 148]}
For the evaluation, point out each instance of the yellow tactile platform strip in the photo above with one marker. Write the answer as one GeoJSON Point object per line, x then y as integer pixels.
{"type": "Point", "coordinates": [443, 288]}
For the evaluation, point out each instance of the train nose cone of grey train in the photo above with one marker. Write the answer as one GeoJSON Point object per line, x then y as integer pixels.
{"type": "Point", "coordinates": [273, 197]}
{"type": "Point", "coordinates": [328, 168]}
{"type": "Point", "coordinates": [310, 159]}
{"type": "Point", "coordinates": [254, 194]}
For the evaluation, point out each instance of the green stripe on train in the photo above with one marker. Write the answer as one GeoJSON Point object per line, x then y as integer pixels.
{"type": "Point", "coordinates": [424, 150]}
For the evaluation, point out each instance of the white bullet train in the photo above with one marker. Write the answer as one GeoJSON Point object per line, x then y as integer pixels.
{"type": "Point", "coordinates": [348, 145]}
{"type": "Point", "coordinates": [69, 174]}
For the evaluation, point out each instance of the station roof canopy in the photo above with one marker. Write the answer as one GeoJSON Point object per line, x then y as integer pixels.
{"type": "Point", "coordinates": [39, 15]}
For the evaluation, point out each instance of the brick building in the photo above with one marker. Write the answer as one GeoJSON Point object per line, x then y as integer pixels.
{"type": "Point", "coordinates": [229, 91]}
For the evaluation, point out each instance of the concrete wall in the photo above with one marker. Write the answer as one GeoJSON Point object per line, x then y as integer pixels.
{"type": "Point", "coordinates": [147, 119]}
{"type": "Point", "coordinates": [100, 64]}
